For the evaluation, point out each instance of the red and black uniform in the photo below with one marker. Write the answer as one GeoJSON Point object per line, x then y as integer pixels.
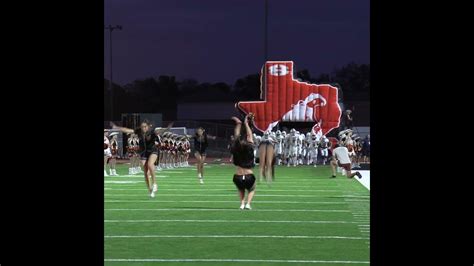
{"type": "Point", "coordinates": [180, 147]}
{"type": "Point", "coordinates": [158, 142]}
{"type": "Point", "coordinates": [114, 148]}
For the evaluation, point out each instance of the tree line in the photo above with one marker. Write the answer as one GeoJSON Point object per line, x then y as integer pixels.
{"type": "Point", "coordinates": [161, 94]}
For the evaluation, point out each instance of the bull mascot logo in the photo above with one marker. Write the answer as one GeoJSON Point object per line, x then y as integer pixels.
{"type": "Point", "coordinates": [289, 100]}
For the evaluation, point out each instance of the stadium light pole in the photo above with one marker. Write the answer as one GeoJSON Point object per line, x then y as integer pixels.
{"type": "Point", "coordinates": [265, 33]}
{"type": "Point", "coordinates": [111, 28]}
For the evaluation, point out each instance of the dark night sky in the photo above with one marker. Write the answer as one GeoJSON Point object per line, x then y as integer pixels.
{"type": "Point", "coordinates": [217, 40]}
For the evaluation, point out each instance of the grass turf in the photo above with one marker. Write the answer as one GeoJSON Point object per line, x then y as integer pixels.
{"type": "Point", "coordinates": [303, 218]}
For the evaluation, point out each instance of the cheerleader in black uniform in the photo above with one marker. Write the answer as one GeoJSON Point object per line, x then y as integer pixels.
{"type": "Point", "coordinates": [200, 146]}
{"type": "Point", "coordinates": [243, 157]}
{"type": "Point", "coordinates": [148, 151]}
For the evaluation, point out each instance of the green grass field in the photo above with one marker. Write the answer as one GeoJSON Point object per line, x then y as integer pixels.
{"type": "Point", "coordinates": [303, 218]}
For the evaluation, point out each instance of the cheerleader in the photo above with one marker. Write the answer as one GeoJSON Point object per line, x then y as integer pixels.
{"type": "Point", "coordinates": [114, 151]}
{"type": "Point", "coordinates": [200, 146]}
{"type": "Point", "coordinates": [157, 146]}
{"type": "Point", "coordinates": [181, 151]}
{"type": "Point", "coordinates": [148, 150]}
{"type": "Point", "coordinates": [107, 152]}
{"type": "Point", "coordinates": [173, 151]}
{"type": "Point", "coordinates": [132, 155]}
{"type": "Point", "coordinates": [242, 151]}
{"type": "Point", "coordinates": [266, 154]}
{"type": "Point", "coordinates": [158, 162]}
{"type": "Point", "coordinates": [187, 147]}
{"type": "Point", "coordinates": [131, 170]}
{"type": "Point", "coordinates": [162, 150]}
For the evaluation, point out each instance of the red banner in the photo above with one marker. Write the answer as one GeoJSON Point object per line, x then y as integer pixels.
{"type": "Point", "coordinates": [287, 99]}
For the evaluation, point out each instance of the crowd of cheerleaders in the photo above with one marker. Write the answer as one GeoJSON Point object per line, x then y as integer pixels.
{"type": "Point", "coordinates": [173, 152]}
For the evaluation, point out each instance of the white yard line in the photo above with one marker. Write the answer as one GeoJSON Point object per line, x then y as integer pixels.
{"type": "Point", "coordinates": [225, 221]}
{"type": "Point", "coordinates": [141, 184]}
{"type": "Point", "coordinates": [235, 236]}
{"type": "Point", "coordinates": [226, 201]}
{"type": "Point", "coordinates": [232, 210]}
{"type": "Point", "coordinates": [221, 189]}
{"type": "Point", "coordinates": [240, 260]}
{"type": "Point", "coordinates": [225, 195]}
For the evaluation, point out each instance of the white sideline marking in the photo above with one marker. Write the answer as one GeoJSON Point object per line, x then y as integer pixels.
{"type": "Point", "coordinates": [238, 260]}
{"type": "Point", "coordinates": [122, 182]}
{"type": "Point", "coordinates": [234, 236]}
{"type": "Point", "coordinates": [226, 201]}
{"type": "Point", "coordinates": [211, 180]}
{"type": "Point", "coordinates": [139, 184]}
{"type": "Point", "coordinates": [170, 171]}
{"type": "Point", "coordinates": [233, 210]}
{"type": "Point", "coordinates": [365, 180]}
{"type": "Point", "coordinates": [141, 176]}
{"type": "Point", "coordinates": [221, 189]}
{"type": "Point", "coordinates": [227, 221]}
{"type": "Point", "coordinates": [222, 195]}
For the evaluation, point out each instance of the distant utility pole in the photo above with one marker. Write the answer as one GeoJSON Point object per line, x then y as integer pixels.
{"type": "Point", "coordinates": [111, 28]}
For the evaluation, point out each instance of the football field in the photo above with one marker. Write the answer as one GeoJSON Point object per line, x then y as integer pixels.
{"type": "Point", "coordinates": [304, 218]}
